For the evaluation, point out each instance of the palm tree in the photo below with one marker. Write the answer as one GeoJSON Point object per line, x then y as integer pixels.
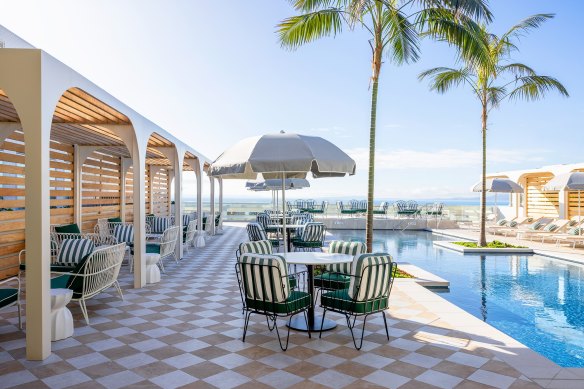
{"type": "Point", "coordinates": [493, 79]}
{"type": "Point", "coordinates": [395, 27]}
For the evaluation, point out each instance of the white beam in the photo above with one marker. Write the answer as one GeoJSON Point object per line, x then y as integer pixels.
{"type": "Point", "coordinates": [212, 205]}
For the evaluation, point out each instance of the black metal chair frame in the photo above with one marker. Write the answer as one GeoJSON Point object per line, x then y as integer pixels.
{"type": "Point", "coordinates": [375, 302]}
{"type": "Point", "coordinates": [270, 314]}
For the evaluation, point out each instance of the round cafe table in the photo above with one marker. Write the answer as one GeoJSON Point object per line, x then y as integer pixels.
{"type": "Point", "coordinates": [310, 258]}
{"type": "Point", "coordinates": [289, 228]}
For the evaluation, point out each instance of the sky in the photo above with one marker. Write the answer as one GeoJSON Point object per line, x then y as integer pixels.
{"type": "Point", "coordinates": [213, 72]}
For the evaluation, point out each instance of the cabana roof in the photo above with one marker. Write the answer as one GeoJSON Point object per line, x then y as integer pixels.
{"type": "Point", "coordinates": [553, 169]}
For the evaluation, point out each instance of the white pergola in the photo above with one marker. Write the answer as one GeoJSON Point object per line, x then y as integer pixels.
{"type": "Point", "coordinates": [53, 113]}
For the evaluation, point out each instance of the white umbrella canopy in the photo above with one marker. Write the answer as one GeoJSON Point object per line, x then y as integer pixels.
{"type": "Point", "coordinates": [274, 154]}
{"type": "Point", "coordinates": [282, 156]}
{"type": "Point", "coordinates": [276, 184]}
{"type": "Point", "coordinates": [499, 185]}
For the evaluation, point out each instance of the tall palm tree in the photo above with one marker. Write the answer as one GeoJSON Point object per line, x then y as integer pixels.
{"type": "Point", "coordinates": [395, 27]}
{"type": "Point", "coordinates": [494, 79]}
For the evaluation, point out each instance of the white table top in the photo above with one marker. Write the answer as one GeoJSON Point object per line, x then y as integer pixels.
{"type": "Point", "coordinates": [315, 258]}
{"type": "Point", "coordinates": [287, 225]}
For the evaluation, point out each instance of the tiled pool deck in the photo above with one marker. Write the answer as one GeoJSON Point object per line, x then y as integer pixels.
{"type": "Point", "coordinates": [186, 332]}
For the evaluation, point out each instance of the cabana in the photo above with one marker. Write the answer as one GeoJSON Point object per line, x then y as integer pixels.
{"type": "Point", "coordinates": [535, 201]}
{"type": "Point", "coordinates": [72, 153]}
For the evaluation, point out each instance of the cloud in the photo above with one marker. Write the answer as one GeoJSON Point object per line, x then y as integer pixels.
{"type": "Point", "coordinates": [439, 159]}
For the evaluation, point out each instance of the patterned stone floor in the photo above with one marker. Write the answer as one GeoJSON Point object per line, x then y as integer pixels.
{"type": "Point", "coordinates": [186, 332]}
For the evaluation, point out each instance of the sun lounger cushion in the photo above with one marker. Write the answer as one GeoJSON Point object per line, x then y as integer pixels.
{"type": "Point", "coordinates": [502, 222]}
{"type": "Point", "coordinates": [512, 223]}
{"type": "Point", "coordinates": [575, 231]}
{"type": "Point", "coordinates": [73, 250]}
{"type": "Point", "coordinates": [550, 227]}
{"type": "Point", "coordinates": [535, 226]}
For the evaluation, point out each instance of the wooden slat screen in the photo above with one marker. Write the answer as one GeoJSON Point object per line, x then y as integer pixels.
{"type": "Point", "coordinates": [129, 195]}
{"type": "Point", "coordinates": [161, 192]}
{"type": "Point", "coordinates": [540, 203]}
{"type": "Point", "coordinates": [12, 219]}
{"type": "Point", "coordinates": [101, 188]}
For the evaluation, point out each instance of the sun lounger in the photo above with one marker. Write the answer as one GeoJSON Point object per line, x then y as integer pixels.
{"type": "Point", "coordinates": [548, 231]}
{"type": "Point", "coordinates": [514, 224]}
{"type": "Point", "coordinates": [574, 236]}
{"type": "Point", "coordinates": [527, 226]}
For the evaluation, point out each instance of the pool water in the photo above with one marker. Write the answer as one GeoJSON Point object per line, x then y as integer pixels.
{"type": "Point", "coordinates": [537, 300]}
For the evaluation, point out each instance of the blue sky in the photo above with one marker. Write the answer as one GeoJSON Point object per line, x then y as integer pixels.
{"type": "Point", "coordinates": [213, 72]}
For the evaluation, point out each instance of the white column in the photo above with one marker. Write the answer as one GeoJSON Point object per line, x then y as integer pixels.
{"type": "Point", "coordinates": [220, 181]}
{"type": "Point", "coordinates": [199, 174]}
{"type": "Point", "coordinates": [212, 205]}
{"type": "Point", "coordinates": [139, 167]}
{"type": "Point", "coordinates": [563, 204]}
{"type": "Point", "coordinates": [177, 209]}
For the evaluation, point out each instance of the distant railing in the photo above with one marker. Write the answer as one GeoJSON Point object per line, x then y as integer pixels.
{"type": "Point", "coordinates": [245, 212]}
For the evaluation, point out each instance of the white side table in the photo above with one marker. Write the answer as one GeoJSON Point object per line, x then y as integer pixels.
{"type": "Point", "coordinates": [152, 270]}
{"type": "Point", "coordinates": [61, 318]}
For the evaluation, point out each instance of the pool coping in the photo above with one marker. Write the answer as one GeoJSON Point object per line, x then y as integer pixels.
{"type": "Point", "coordinates": [526, 361]}
{"type": "Point", "coordinates": [481, 250]}
{"type": "Point", "coordinates": [423, 277]}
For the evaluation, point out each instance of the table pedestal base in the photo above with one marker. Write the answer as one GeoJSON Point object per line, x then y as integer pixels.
{"type": "Point", "coordinates": [298, 323]}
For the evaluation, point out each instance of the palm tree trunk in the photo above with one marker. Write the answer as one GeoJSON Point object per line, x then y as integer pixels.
{"type": "Point", "coordinates": [482, 234]}
{"type": "Point", "coordinates": [377, 54]}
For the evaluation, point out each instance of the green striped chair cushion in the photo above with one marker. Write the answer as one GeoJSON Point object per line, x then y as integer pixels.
{"type": "Point", "coordinates": [186, 219]}
{"type": "Point", "coordinates": [512, 223]}
{"type": "Point", "coordinates": [124, 233]}
{"type": "Point", "coordinates": [264, 277]}
{"type": "Point", "coordinates": [296, 301]}
{"type": "Point", "coordinates": [342, 247]}
{"type": "Point", "coordinates": [535, 226]}
{"type": "Point", "coordinates": [313, 232]}
{"type": "Point", "coordinates": [73, 250]}
{"type": "Point", "coordinates": [332, 281]}
{"type": "Point", "coordinates": [340, 300]}
{"type": "Point", "coordinates": [369, 281]}
{"type": "Point", "coordinates": [159, 224]}
{"type": "Point", "coordinates": [550, 227]}
{"type": "Point", "coordinates": [8, 296]}
{"type": "Point", "coordinates": [256, 232]}
{"type": "Point", "coordinates": [256, 247]}
{"type": "Point", "coordinates": [502, 222]}
{"type": "Point", "coordinates": [575, 231]}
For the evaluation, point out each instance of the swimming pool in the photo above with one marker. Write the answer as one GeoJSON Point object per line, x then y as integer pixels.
{"type": "Point", "coordinates": [534, 299]}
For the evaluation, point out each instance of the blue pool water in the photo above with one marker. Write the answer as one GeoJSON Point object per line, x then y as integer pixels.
{"type": "Point", "coordinates": [537, 300]}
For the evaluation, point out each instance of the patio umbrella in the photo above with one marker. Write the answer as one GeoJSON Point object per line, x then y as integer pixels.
{"type": "Point", "coordinates": [275, 185]}
{"type": "Point", "coordinates": [282, 156]}
{"type": "Point", "coordinates": [570, 181]}
{"type": "Point", "coordinates": [499, 185]}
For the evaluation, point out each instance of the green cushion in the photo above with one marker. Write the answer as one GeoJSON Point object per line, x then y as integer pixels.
{"type": "Point", "coordinates": [340, 300]}
{"type": "Point", "coordinates": [292, 281]}
{"type": "Point", "coordinates": [332, 281]}
{"type": "Point", "coordinates": [151, 248]}
{"type": "Point", "coordinates": [68, 229]}
{"type": "Point", "coordinates": [296, 301]}
{"type": "Point", "coordinates": [300, 243]}
{"type": "Point", "coordinates": [8, 296]}
{"type": "Point", "coordinates": [115, 220]}
{"type": "Point", "coordinates": [60, 282]}
{"type": "Point", "coordinates": [62, 268]}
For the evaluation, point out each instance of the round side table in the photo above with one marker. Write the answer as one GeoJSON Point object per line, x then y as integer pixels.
{"type": "Point", "coordinates": [61, 318]}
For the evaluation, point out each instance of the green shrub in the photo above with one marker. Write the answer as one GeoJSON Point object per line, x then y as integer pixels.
{"type": "Point", "coordinates": [496, 244]}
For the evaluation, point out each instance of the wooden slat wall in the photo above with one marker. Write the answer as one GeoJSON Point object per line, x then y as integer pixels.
{"type": "Point", "coordinates": [129, 195]}
{"type": "Point", "coordinates": [161, 192]}
{"type": "Point", "coordinates": [541, 203]}
{"type": "Point", "coordinates": [101, 189]}
{"type": "Point", "coordinates": [12, 222]}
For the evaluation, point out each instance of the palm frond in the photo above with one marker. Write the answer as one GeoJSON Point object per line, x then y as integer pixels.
{"type": "Point", "coordinates": [298, 30]}
{"type": "Point", "coordinates": [357, 9]}
{"type": "Point", "coordinates": [315, 5]}
{"type": "Point", "coordinates": [401, 35]}
{"type": "Point", "coordinates": [517, 69]}
{"type": "Point", "coordinates": [462, 32]}
{"type": "Point", "coordinates": [523, 27]}
{"type": "Point", "coordinates": [475, 9]}
{"type": "Point", "coordinates": [443, 79]}
{"type": "Point", "coordinates": [536, 87]}
{"type": "Point", "coordinates": [495, 95]}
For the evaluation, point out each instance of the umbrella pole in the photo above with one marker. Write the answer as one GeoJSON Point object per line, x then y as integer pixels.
{"type": "Point", "coordinates": [283, 212]}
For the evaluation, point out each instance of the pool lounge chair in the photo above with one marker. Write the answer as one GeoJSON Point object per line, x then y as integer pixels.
{"type": "Point", "coordinates": [535, 225]}
{"type": "Point", "coordinates": [574, 235]}
{"type": "Point", "coordinates": [548, 231]}
{"type": "Point", "coordinates": [505, 224]}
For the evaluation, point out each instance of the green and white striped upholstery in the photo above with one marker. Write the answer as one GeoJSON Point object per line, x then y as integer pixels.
{"type": "Point", "coordinates": [512, 223]}
{"type": "Point", "coordinates": [535, 226]}
{"type": "Point", "coordinates": [186, 219]}
{"type": "Point", "coordinates": [159, 224]}
{"type": "Point", "coordinates": [264, 277]}
{"type": "Point", "coordinates": [550, 227]}
{"type": "Point", "coordinates": [575, 231]}
{"type": "Point", "coordinates": [502, 222]}
{"type": "Point", "coordinates": [256, 247]}
{"type": "Point", "coordinates": [313, 232]}
{"type": "Point", "coordinates": [124, 233]}
{"type": "Point", "coordinates": [256, 232]}
{"type": "Point", "coordinates": [370, 281]}
{"type": "Point", "coordinates": [73, 250]}
{"type": "Point", "coordinates": [341, 247]}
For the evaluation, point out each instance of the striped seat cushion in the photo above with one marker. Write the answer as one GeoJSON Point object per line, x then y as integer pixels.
{"type": "Point", "coordinates": [313, 232]}
{"type": "Point", "coordinates": [535, 226]}
{"type": "Point", "coordinates": [512, 223]}
{"type": "Point", "coordinates": [341, 247]}
{"type": "Point", "coordinates": [255, 232]}
{"type": "Point", "coordinates": [550, 227]}
{"type": "Point", "coordinates": [73, 250]}
{"type": "Point", "coordinates": [186, 220]}
{"type": "Point", "coordinates": [124, 233]}
{"type": "Point", "coordinates": [502, 222]}
{"type": "Point", "coordinates": [264, 277]}
{"type": "Point", "coordinates": [256, 247]}
{"type": "Point", "coordinates": [159, 224]}
{"type": "Point", "coordinates": [370, 281]}
{"type": "Point", "coordinates": [340, 300]}
{"type": "Point", "coordinates": [575, 231]}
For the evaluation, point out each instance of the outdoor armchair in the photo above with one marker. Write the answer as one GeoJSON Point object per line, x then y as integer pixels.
{"type": "Point", "coordinates": [382, 209]}
{"type": "Point", "coordinates": [368, 292]}
{"type": "Point", "coordinates": [265, 290]}
{"type": "Point", "coordinates": [97, 272]}
{"type": "Point", "coordinates": [10, 294]}
{"type": "Point", "coordinates": [337, 276]}
{"type": "Point", "coordinates": [256, 232]}
{"type": "Point", "coordinates": [312, 237]}
{"type": "Point", "coordinates": [189, 234]}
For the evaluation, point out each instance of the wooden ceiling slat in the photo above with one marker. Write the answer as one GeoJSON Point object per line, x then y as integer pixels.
{"type": "Point", "coordinates": [97, 104]}
{"type": "Point", "coordinates": [88, 109]}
